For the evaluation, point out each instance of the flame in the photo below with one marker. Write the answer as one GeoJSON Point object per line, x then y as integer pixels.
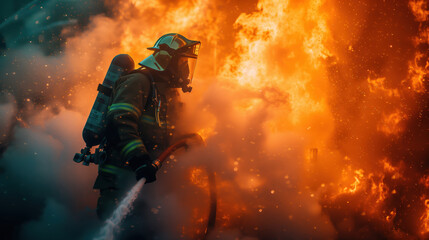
{"type": "Point", "coordinates": [391, 216]}
{"type": "Point", "coordinates": [417, 70]}
{"type": "Point", "coordinates": [418, 73]}
{"type": "Point", "coordinates": [198, 177]}
{"type": "Point", "coordinates": [273, 24]}
{"type": "Point", "coordinates": [417, 6]}
{"type": "Point", "coordinates": [205, 133]}
{"type": "Point", "coordinates": [371, 185]}
{"type": "Point", "coordinates": [377, 86]}
{"type": "Point", "coordinates": [379, 190]}
{"type": "Point", "coordinates": [358, 178]}
{"type": "Point", "coordinates": [391, 124]}
{"type": "Point", "coordinates": [425, 219]}
{"type": "Point", "coordinates": [280, 77]}
{"type": "Point", "coordinates": [425, 181]}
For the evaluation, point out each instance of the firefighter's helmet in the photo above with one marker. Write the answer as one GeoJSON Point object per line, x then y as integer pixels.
{"type": "Point", "coordinates": [175, 53]}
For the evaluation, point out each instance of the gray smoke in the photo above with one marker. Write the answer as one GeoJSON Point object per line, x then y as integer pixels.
{"type": "Point", "coordinates": [43, 195]}
{"type": "Point", "coordinates": [39, 179]}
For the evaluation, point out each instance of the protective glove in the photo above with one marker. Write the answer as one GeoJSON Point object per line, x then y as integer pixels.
{"type": "Point", "coordinates": [147, 171]}
{"type": "Point", "coordinates": [142, 166]}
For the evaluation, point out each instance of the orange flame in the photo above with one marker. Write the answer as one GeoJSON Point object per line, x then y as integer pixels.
{"type": "Point", "coordinates": [273, 92]}
{"type": "Point", "coordinates": [425, 219]}
{"type": "Point", "coordinates": [391, 124]}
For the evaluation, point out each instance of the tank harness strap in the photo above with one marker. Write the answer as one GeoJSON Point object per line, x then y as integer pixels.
{"type": "Point", "coordinates": [104, 90]}
{"type": "Point", "coordinates": [155, 97]}
{"type": "Point", "coordinates": [156, 100]}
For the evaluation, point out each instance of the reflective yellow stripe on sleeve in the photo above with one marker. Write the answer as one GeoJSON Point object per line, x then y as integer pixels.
{"type": "Point", "coordinates": [134, 144]}
{"type": "Point", "coordinates": [125, 107]}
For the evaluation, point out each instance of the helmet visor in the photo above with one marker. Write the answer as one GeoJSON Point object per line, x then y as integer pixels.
{"type": "Point", "coordinates": [186, 67]}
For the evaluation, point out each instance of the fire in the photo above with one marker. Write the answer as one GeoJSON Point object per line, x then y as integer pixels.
{"type": "Point", "coordinates": [379, 190]}
{"type": "Point", "coordinates": [378, 86]}
{"type": "Point", "coordinates": [272, 24]}
{"type": "Point", "coordinates": [347, 80]}
{"type": "Point", "coordinates": [182, 19]}
{"type": "Point", "coordinates": [418, 73]}
{"type": "Point", "coordinates": [391, 216]}
{"type": "Point", "coordinates": [425, 219]}
{"type": "Point", "coordinates": [391, 124]}
{"type": "Point", "coordinates": [418, 67]}
{"type": "Point", "coordinates": [425, 181]}
{"type": "Point", "coordinates": [358, 178]}
{"type": "Point", "coordinates": [417, 6]}
{"type": "Point", "coordinates": [199, 177]}
{"type": "Point", "coordinates": [315, 43]}
{"type": "Point", "coordinates": [205, 133]}
{"type": "Point", "coordinates": [277, 78]}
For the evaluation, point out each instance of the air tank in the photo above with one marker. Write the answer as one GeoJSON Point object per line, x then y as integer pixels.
{"type": "Point", "coordinates": [95, 126]}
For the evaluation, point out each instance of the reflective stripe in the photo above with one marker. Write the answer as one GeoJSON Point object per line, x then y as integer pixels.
{"type": "Point", "coordinates": [151, 120]}
{"type": "Point", "coordinates": [126, 107]}
{"type": "Point", "coordinates": [134, 144]}
{"type": "Point", "coordinates": [109, 169]}
{"type": "Point", "coordinates": [148, 119]}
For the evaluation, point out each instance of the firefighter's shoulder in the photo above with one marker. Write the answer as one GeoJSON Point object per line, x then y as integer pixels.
{"type": "Point", "coordinates": [134, 81]}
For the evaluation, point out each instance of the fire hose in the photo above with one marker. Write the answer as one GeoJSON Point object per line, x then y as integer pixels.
{"type": "Point", "coordinates": [184, 143]}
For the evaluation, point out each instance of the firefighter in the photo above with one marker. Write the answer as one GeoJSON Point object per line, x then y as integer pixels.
{"type": "Point", "coordinates": [140, 119]}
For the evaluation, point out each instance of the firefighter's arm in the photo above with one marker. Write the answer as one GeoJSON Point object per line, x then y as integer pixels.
{"type": "Point", "coordinates": [130, 96]}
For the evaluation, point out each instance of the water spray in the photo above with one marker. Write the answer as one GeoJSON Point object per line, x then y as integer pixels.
{"type": "Point", "coordinates": [112, 224]}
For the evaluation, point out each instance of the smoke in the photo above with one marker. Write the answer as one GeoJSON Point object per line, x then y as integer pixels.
{"type": "Point", "coordinates": [43, 22]}
{"type": "Point", "coordinates": [55, 222]}
{"type": "Point", "coordinates": [112, 224]}
{"type": "Point", "coordinates": [36, 168]}
{"type": "Point", "coordinates": [43, 195]}
{"type": "Point", "coordinates": [314, 114]}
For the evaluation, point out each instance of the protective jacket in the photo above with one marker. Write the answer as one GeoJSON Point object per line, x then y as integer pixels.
{"type": "Point", "coordinates": [140, 120]}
